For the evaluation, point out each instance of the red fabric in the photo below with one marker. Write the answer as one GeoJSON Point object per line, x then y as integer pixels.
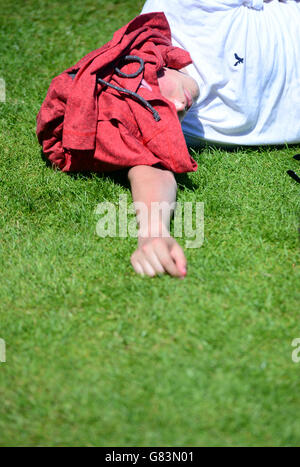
{"type": "Point", "coordinates": [84, 128]}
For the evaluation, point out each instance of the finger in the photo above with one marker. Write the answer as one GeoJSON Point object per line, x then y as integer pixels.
{"type": "Point", "coordinates": [147, 268]}
{"type": "Point", "coordinates": [136, 265]}
{"type": "Point", "coordinates": [164, 256]}
{"type": "Point", "coordinates": [139, 269]}
{"type": "Point", "coordinates": [143, 264]}
{"type": "Point", "coordinates": [154, 261]}
{"type": "Point", "coordinates": [180, 260]}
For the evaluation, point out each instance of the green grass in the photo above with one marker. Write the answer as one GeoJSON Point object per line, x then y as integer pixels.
{"type": "Point", "coordinates": [99, 356]}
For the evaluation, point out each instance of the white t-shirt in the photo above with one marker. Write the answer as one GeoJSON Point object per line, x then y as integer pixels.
{"type": "Point", "coordinates": [246, 57]}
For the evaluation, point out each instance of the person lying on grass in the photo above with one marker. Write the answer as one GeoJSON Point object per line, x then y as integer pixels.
{"type": "Point", "coordinates": [120, 107]}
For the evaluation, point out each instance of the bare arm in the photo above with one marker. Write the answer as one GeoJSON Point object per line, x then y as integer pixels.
{"type": "Point", "coordinates": [157, 251]}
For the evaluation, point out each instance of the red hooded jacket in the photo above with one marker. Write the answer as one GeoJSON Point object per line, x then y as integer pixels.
{"type": "Point", "coordinates": [84, 125]}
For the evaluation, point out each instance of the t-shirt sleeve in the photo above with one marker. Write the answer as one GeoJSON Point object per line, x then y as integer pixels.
{"type": "Point", "coordinates": [217, 5]}
{"type": "Point", "coordinates": [205, 5]}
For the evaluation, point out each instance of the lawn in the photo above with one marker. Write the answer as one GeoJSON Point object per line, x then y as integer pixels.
{"type": "Point", "coordinates": [97, 355]}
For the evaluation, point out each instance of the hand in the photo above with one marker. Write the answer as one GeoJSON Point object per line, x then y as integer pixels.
{"type": "Point", "coordinates": [158, 255]}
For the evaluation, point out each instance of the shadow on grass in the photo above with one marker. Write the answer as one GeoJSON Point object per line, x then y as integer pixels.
{"type": "Point", "coordinates": [119, 177]}
{"type": "Point", "coordinates": [238, 147]}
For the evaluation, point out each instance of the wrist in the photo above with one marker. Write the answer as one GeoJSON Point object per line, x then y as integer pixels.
{"type": "Point", "coordinates": [153, 230]}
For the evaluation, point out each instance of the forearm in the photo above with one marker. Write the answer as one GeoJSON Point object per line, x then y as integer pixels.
{"type": "Point", "coordinates": [158, 252]}
{"type": "Point", "coordinates": [150, 186]}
